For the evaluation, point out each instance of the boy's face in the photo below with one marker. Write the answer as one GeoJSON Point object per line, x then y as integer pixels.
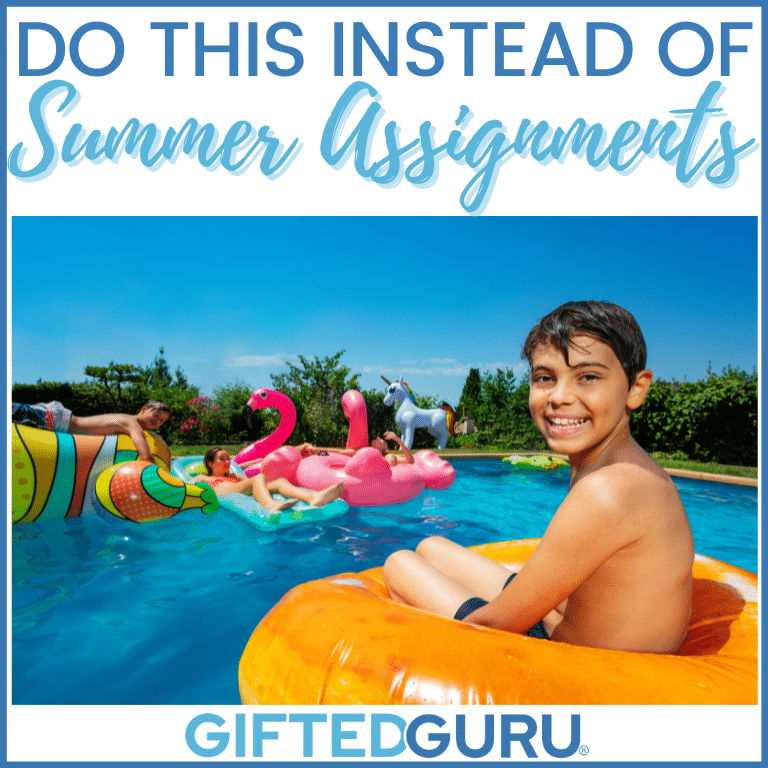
{"type": "Point", "coordinates": [152, 418]}
{"type": "Point", "coordinates": [580, 407]}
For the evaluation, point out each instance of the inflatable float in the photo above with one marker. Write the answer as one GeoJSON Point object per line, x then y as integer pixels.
{"type": "Point", "coordinates": [191, 468]}
{"type": "Point", "coordinates": [439, 422]}
{"type": "Point", "coordinates": [368, 478]}
{"type": "Point", "coordinates": [267, 398]}
{"type": "Point", "coordinates": [536, 461]}
{"type": "Point", "coordinates": [142, 493]}
{"type": "Point", "coordinates": [341, 640]}
{"type": "Point", "coordinates": [54, 475]}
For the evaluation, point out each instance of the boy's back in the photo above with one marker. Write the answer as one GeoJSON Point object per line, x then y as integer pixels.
{"type": "Point", "coordinates": [639, 598]}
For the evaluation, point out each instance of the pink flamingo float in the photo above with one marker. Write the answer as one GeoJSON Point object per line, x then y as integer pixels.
{"type": "Point", "coordinates": [368, 479]}
{"type": "Point", "coordinates": [267, 398]}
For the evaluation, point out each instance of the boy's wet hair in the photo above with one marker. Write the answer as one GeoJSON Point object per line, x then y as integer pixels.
{"type": "Point", "coordinates": [157, 405]}
{"type": "Point", "coordinates": [604, 320]}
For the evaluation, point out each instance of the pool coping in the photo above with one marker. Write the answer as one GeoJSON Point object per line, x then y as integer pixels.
{"type": "Point", "coordinates": [689, 473]}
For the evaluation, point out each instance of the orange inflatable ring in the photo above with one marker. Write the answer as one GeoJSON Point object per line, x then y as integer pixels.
{"type": "Point", "coordinates": [341, 640]}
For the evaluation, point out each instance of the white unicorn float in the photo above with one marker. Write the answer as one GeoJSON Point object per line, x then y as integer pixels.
{"type": "Point", "coordinates": [438, 421]}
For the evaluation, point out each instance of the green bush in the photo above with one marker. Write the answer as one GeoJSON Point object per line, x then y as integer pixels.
{"type": "Point", "coordinates": [713, 420]}
{"type": "Point", "coordinates": [316, 388]}
{"type": "Point", "coordinates": [501, 415]}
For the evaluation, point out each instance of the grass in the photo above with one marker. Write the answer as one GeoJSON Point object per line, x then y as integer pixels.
{"type": "Point", "coordinates": [199, 450]}
{"type": "Point", "coordinates": [663, 460]}
{"type": "Point", "coordinates": [704, 466]}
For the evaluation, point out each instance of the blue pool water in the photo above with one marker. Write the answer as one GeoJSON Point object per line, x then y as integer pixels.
{"type": "Point", "coordinates": [160, 613]}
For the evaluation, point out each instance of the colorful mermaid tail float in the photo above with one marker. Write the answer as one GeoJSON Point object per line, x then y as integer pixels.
{"type": "Point", "coordinates": [267, 398]}
{"type": "Point", "coordinates": [343, 640]}
{"type": "Point", "coordinates": [54, 474]}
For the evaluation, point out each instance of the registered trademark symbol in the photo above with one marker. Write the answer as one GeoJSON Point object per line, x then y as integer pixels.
{"type": "Point", "coordinates": [583, 750]}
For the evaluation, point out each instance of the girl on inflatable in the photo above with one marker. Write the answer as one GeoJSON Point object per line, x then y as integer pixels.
{"type": "Point", "coordinates": [216, 461]}
{"type": "Point", "coordinates": [306, 449]}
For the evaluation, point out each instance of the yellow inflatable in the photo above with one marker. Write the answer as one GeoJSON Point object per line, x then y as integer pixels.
{"type": "Point", "coordinates": [341, 640]}
{"type": "Point", "coordinates": [53, 473]}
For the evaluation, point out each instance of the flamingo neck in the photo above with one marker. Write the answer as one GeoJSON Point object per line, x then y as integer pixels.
{"type": "Point", "coordinates": [287, 412]}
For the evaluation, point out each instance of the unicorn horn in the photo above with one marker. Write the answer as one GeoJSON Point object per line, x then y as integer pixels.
{"type": "Point", "coordinates": [389, 383]}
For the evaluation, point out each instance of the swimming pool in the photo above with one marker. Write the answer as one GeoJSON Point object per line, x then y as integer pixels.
{"type": "Point", "coordinates": [160, 613]}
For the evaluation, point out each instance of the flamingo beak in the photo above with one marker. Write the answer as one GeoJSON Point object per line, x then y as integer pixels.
{"type": "Point", "coordinates": [248, 413]}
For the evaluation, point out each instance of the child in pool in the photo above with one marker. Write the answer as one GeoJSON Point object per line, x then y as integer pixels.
{"type": "Point", "coordinates": [56, 417]}
{"type": "Point", "coordinates": [217, 460]}
{"type": "Point", "coordinates": [613, 569]}
{"type": "Point", "coordinates": [306, 449]}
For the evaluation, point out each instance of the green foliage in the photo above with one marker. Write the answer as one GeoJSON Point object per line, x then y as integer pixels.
{"type": "Point", "coordinates": [118, 388]}
{"type": "Point", "coordinates": [220, 419]}
{"type": "Point", "coordinates": [158, 375]}
{"type": "Point", "coordinates": [206, 424]}
{"type": "Point", "coordinates": [81, 398]}
{"type": "Point", "coordinates": [113, 380]}
{"type": "Point", "coordinates": [713, 420]}
{"type": "Point", "coordinates": [469, 404]}
{"type": "Point", "coordinates": [381, 418]}
{"type": "Point", "coordinates": [710, 420]}
{"type": "Point", "coordinates": [316, 388]}
{"type": "Point", "coordinates": [501, 416]}
{"type": "Point", "coordinates": [232, 398]}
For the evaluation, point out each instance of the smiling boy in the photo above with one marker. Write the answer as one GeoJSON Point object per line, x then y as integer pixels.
{"type": "Point", "coordinates": [613, 568]}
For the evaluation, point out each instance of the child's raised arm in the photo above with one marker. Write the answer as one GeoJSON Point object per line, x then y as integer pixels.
{"type": "Point", "coordinates": [408, 455]}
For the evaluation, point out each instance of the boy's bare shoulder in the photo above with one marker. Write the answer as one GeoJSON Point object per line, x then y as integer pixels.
{"type": "Point", "coordinates": [623, 485]}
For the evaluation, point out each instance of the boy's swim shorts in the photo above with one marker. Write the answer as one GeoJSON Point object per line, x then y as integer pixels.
{"type": "Point", "coordinates": [53, 415]}
{"type": "Point", "coordinates": [468, 606]}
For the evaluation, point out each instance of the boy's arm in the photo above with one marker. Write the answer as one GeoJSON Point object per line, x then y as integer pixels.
{"type": "Point", "coordinates": [307, 449]}
{"type": "Point", "coordinates": [114, 424]}
{"type": "Point", "coordinates": [591, 525]}
{"type": "Point", "coordinates": [135, 431]}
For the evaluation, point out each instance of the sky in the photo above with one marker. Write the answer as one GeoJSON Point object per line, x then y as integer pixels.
{"type": "Point", "coordinates": [235, 299]}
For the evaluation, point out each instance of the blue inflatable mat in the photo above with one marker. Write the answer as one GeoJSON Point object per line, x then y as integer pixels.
{"type": "Point", "coordinates": [190, 468]}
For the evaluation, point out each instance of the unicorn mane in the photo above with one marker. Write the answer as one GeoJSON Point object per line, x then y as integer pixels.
{"type": "Point", "coordinates": [407, 389]}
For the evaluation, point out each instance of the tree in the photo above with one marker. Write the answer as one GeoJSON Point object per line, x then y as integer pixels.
{"type": "Point", "coordinates": [112, 379]}
{"type": "Point", "coordinates": [316, 388]}
{"type": "Point", "coordinates": [503, 417]}
{"type": "Point", "coordinates": [469, 403]}
{"type": "Point", "coordinates": [231, 399]}
{"type": "Point", "coordinates": [381, 418]}
{"type": "Point", "coordinates": [158, 375]}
